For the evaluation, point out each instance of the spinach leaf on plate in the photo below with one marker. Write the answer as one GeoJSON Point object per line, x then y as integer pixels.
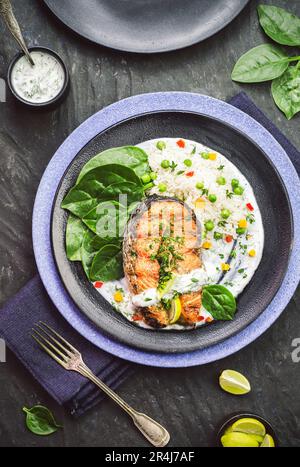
{"type": "Point", "coordinates": [40, 421]}
{"type": "Point", "coordinates": [100, 184]}
{"type": "Point", "coordinates": [286, 91]}
{"type": "Point", "coordinates": [74, 236]}
{"type": "Point", "coordinates": [262, 63]}
{"type": "Point", "coordinates": [283, 27]}
{"type": "Point", "coordinates": [129, 156]}
{"type": "Point", "coordinates": [91, 245]}
{"type": "Point", "coordinates": [107, 264]}
{"type": "Point", "coordinates": [219, 302]}
{"type": "Point", "coordinates": [108, 219]}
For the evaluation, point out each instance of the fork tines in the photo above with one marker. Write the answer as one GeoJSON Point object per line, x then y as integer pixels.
{"type": "Point", "coordinates": [54, 344]}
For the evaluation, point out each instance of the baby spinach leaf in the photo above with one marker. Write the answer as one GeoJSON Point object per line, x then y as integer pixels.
{"type": "Point", "coordinates": [74, 236]}
{"type": "Point", "coordinates": [219, 302]}
{"type": "Point", "coordinates": [40, 421]}
{"type": "Point", "coordinates": [108, 219]}
{"type": "Point", "coordinates": [129, 156]}
{"type": "Point", "coordinates": [286, 92]}
{"type": "Point", "coordinates": [91, 245]}
{"type": "Point", "coordinates": [103, 183]}
{"type": "Point", "coordinates": [282, 26]}
{"type": "Point", "coordinates": [107, 264]}
{"type": "Point", "coordinates": [262, 63]}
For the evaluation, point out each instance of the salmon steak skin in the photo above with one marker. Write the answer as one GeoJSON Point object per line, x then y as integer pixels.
{"type": "Point", "coordinates": [162, 240]}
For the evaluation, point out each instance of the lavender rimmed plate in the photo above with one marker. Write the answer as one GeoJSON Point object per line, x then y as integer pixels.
{"type": "Point", "coordinates": [100, 123]}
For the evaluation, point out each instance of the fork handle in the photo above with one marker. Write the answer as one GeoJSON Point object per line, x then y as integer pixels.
{"type": "Point", "coordinates": [155, 433]}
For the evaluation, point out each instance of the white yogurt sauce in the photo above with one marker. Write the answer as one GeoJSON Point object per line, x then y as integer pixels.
{"type": "Point", "coordinates": [235, 253]}
{"type": "Point", "coordinates": [39, 83]}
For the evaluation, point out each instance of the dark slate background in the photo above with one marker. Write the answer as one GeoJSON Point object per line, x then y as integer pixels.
{"type": "Point", "coordinates": [187, 401]}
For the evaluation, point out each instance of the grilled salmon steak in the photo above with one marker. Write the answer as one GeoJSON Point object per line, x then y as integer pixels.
{"type": "Point", "coordinates": [162, 239]}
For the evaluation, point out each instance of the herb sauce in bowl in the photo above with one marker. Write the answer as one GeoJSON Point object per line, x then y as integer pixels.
{"type": "Point", "coordinates": [42, 83]}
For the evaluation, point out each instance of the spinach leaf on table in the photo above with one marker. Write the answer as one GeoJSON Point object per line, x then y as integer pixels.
{"type": "Point", "coordinates": [262, 63]}
{"type": "Point", "coordinates": [103, 183]}
{"type": "Point", "coordinates": [107, 264]}
{"type": "Point", "coordinates": [286, 92]}
{"type": "Point", "coordinates": [74, 236]}
{"type": "Point", "coordinates": [129, 156]}
{"type": "Point", "coordinates": [219, 302]}
{"type": "Point", "coordinates": [40, 421]}
{"type": "Point", "coordinates": [283, 27]}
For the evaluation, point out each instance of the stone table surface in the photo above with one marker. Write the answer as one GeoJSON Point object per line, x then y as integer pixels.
{"type": "Point", "coordinates": [188, 401]}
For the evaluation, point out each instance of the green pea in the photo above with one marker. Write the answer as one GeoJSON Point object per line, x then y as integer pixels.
{"type": "Point", "coordinates": [161, 145]}
{"type": "Point", "coordinates": [165, 164]}
{"type": "Point", "coordinates": [162, 187]}
{"type": "Point", "coordinates": [205, 155]}
{"type": "Point", "coordinates": [240, 231]}
{"type": "Point", "coordinates": [234, 182]}
{"type": "Point", "coordinates": [212, 198]}
{"type": "Point", "coordinates": [188, 162]}
{"type": "Point", "coordinates": [209, 225]}
{"type": "Point", "coordinates": [153, 176]}
{"type": "Point", "coordinates": [221, 181]}
{"type": "Point", "coordinates": [238, 190]}
{"type": "Point", "coordinates": [146, 179]}
{"type": "Point", "coordinates": [225, 213]}
{"type": "Point", "coordinates": [218, 236]}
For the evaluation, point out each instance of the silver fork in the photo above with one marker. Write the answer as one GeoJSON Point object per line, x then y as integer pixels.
{"type": "Point", "coordinates": [70, 359]}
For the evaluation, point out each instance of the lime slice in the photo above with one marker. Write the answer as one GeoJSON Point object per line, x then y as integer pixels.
{"type": "Point", "coordinates": [163, 290]}
{"type": "Point", "coordinates": [233, 382]}
{"type": "Point", "coordinates": [238, 440]}
{"type": "Point", "coordinates": [175, 310]}
{"type": "Point", "coordinates": [249, 426]}
{"type": "Point", "coordinates": [268, 442]}
{"type": "Point", "coordinates": [257, 438]}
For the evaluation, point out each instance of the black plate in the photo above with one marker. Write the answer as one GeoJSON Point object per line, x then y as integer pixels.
{"type": "Point", "coordinates": [146, 26]}
{"type": "Point", "coordinates": [272, 200]}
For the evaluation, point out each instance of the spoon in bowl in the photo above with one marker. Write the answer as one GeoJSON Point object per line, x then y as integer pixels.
{"type": "Point", "coordinates": [7, 13]}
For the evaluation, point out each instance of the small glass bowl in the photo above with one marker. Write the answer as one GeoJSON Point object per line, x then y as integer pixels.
{"type": "Point", "coordinates": [237, 416]}
{"type": "Point", "coordinates": [57, 99]}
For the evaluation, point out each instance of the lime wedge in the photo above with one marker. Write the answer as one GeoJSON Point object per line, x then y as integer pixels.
{"type": "Point", "coordinates": [175, 310]}
{"type": "Point", "coordinates": [257, 438]}
{"type": "Point", "coordinates": [249, 426]}
{"type": "Point", "coordinates": [163, 290]}
{"type": "Point", "coordinates": [233, 382]}
{"type": "Point", "coordinates": [268, 442]}
{"type": "Point", "coordinates": [238, 440]}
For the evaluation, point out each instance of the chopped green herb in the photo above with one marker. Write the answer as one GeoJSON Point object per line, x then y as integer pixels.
{"type": "Point", "coordinates": [180, 172]}
{"type": "Point", "coordinates": [221, 167]}
{"type": "Point", "coordinates": [229, 194]}
{"type": "Point", "coordinates": [173, 166]}
{"type": "Point", "coordinates": [193, 151]}
{"type": "Point", "coordinates": [250, 218]}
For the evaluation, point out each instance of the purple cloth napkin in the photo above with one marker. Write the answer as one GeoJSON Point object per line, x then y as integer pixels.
{"type": "Point", "coordinates": [32, 304]}
{"type": "Point", "coordinates": [70, 389]}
